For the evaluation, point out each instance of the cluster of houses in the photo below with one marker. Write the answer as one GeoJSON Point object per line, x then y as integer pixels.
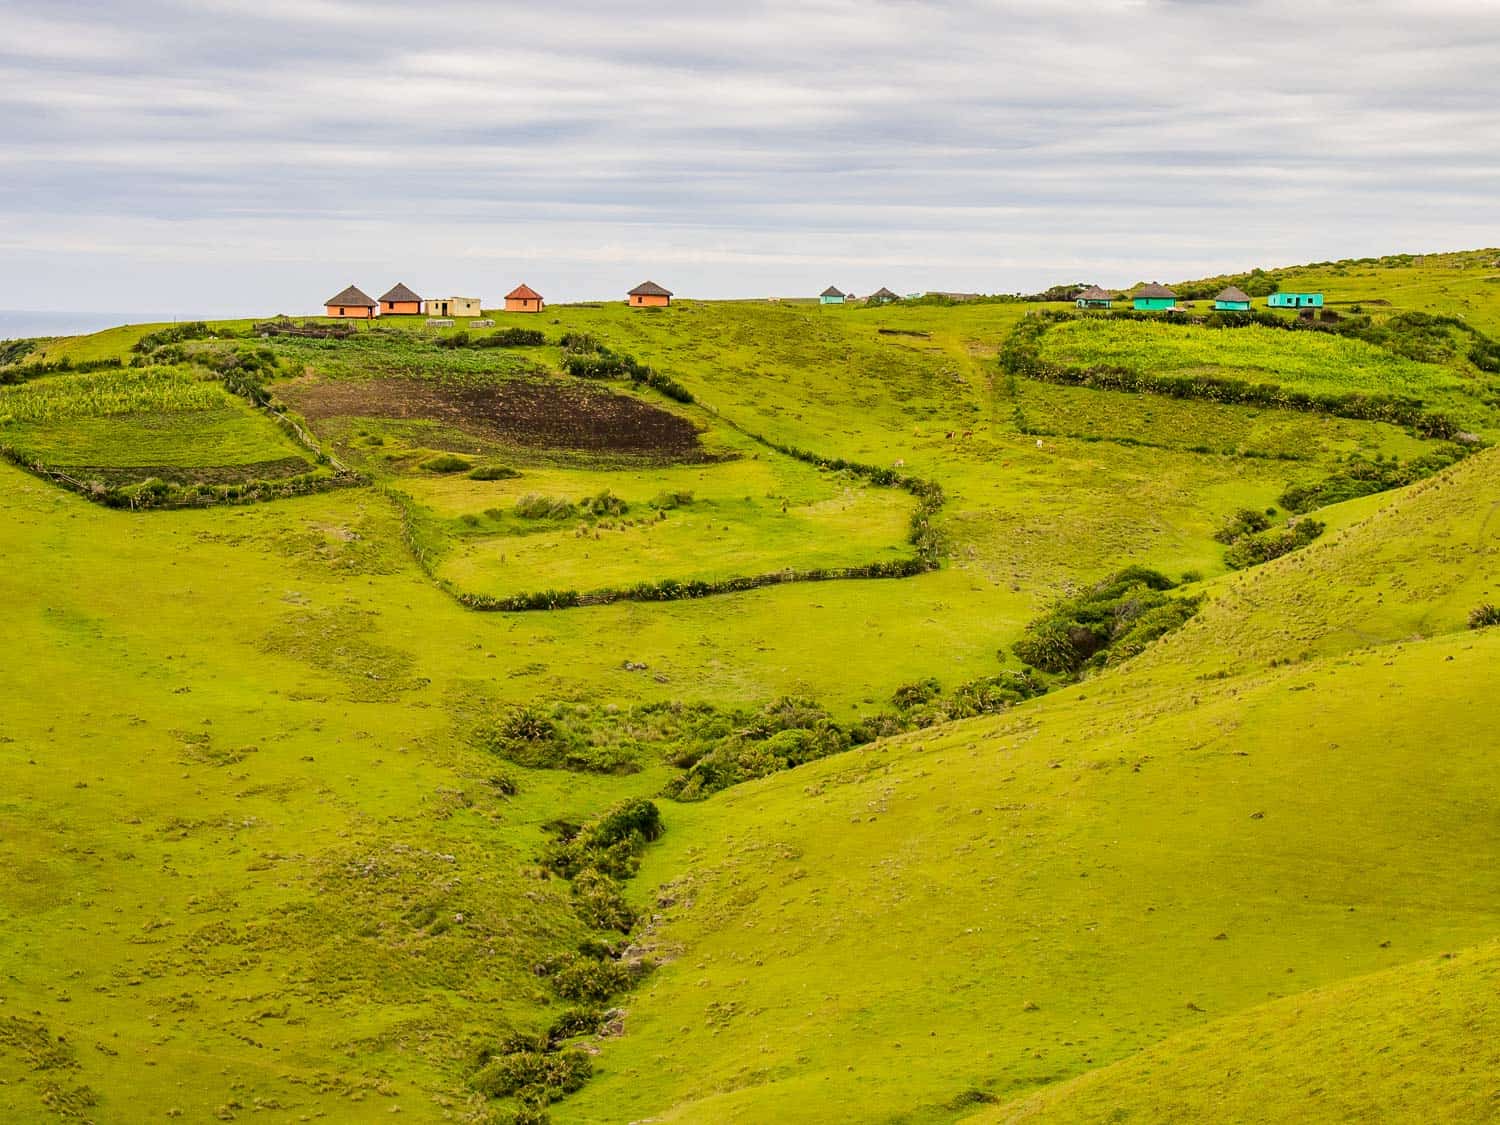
{"type": "Point", "coordinates": [1158, 298]}
{"type": "Point", "coordinates": [354, 303]}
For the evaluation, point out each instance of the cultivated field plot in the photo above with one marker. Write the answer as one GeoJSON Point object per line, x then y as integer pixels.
{"type": "Point", "coordinates": [526, 414]}
{"type": "Point", "coordinates": [574, 530]}
{"type": "Point", "coordinates": [123, 426]}
{"type": "Point", "coordinates": [1299, 361]}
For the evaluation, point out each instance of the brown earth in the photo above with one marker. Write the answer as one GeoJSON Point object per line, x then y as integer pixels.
{"type": "Point", "coordinates": [277, 469]}
{"type": "Point", "coordinates": [533, 414]}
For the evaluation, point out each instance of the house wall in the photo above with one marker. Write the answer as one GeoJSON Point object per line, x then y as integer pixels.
{"type": "Point", "coordinates": [1147, 303]}
{"type": "Point", "coordinates": [349, 312]}
{"type": "Point", "coordinates": [639, 301]}
{"type": "Point", "coordinates": [401, 308]}
{"type": "Point", "coordinates": [1295, 300]}
{"type": "Point", "coordinates": [523, 304]}
{"type": "Point", "coordinates": [1232, 306]}
{"type": "Point", "coordinates": [831, 300]}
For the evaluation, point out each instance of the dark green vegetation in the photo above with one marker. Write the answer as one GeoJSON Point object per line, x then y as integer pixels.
{"type": "Point", "coordinates": [1063, 818]}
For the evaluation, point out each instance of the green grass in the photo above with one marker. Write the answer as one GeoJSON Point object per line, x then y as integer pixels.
{"type": "Point", "coordinates": [1004, 904]}
{"type": "Point", "coordinates": [1300, 361]}
{"type": "Point", "coordinates": [121, 426]}
{"type": "Point", "coordinates": [1416, 1043]}
{"type": "Point", "coordinates": [746, 517]}
{"type": "Point", "coordinates": [244, 812]}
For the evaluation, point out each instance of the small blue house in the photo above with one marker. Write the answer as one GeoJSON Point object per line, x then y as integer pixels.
{"type": "Point", "coordinates": [1295, 300]}
{"type": "Point", "coordinates": [1095, 298]}
{"type": "Point", "coordinates": [1232, 299]}
{"type": "Point", "coordinates": [831, 296]}
{"type": "Point", "coordinates": [1154, 298]}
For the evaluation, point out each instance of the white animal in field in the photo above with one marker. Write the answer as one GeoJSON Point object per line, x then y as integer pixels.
{"type": "Point", "coordinates": [1039, 443]}
{"type": "Point", "coordinates": [900, 463]}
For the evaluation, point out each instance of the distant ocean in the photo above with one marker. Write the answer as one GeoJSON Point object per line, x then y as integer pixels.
{"type": "Point", "coordinates": [18, 323]}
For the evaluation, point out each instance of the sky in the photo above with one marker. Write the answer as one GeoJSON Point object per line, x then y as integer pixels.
{"type": "Point", "coordinates": [222, 157]}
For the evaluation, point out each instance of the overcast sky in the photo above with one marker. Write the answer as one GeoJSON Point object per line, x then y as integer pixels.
{"type": "Point", "coordinates": [254, 156]}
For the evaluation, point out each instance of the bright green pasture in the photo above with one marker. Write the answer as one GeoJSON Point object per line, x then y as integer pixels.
{"type": "Point", "coordinates": [1300, 361]}
{"type": "Point", "coordinates": [1417, 1043]}
{"type": "Point", "coordinates": [1004, 904]}
{"type": "Point", "coordinates": [745, 517]}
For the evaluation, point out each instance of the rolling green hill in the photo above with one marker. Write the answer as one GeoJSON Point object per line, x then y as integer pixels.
{"type": "Point", "coordinates": [1414, 1043]}
{"type": "Point", "coordinates": [309, 811]}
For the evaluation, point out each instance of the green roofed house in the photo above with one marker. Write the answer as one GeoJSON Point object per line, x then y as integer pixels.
{"type": "Point", "coordinates": [1233, 299]}
{"type": "Point", "coordinates": [1095, 298]}
{"type": "Point", "coordinates": [1295, 300]}
{"type": "Point", "coordinates": [882, 296]}
{"type": "Point", "coordinates": [1154, 297]}
{"type": "Point", "coordinates": [830, 296]}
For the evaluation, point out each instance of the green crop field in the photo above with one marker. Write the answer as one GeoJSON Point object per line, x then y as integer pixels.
{"type": "Point", "coordinates": [311, 812]}
{"type": "Point", "coordinates": [1256, 354]}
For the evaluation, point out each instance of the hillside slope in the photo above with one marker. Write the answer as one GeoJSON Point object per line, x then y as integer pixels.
{"type": "Point", "coordinates": [1419, 1043]}
{"type": "Point", "coordinates": [999, 905]}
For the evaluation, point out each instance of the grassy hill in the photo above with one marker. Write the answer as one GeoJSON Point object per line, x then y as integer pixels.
{"type": "Point", "coordinates": [1414, 1043]}
{"type": "Point", "coordinates": [292, 829]}
{"type": "Point", "coordinates": [962, 915]}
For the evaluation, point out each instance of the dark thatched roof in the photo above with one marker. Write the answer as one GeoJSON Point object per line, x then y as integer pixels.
{"type": "Point", "coordinates": [649, 289]}
{"type": "Point", "coordinates": [523, 293]}
{"type": "Point", "coordinates": [1155, 290]}
{"type": "Point", "coordinates": [1094, 293]}
{"type": "Point", "coordinates": [1234, 293]}
{"type": "Point", "coordinates": [883, 294]}
{"type": "Point", "coordinates": [399, 292]}
{"type": "Point", "coordinates": [351, 298]}
{"type": "Point", "coordinates": [830, 292]}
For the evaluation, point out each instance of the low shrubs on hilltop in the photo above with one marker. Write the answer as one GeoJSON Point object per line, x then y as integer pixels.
{"type": "Point", "coordinates": [1106, 624]}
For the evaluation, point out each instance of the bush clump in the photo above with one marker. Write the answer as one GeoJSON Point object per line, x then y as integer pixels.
{"type": "Point", "coordinates": [1246, 521]}
{"type": "Point", "coordinates": [1484, 616]}
{"type": "Point", "coordinates": [532, 737]}
{"type": "Point", "coordinates": [493, 472]}
{"type": "Point", "coordinates": [1252, 550]}
{"type": "Point", "coordinates": [534, 506]}
{"type": "Point", "coordinates": [537, 1077]}
{"type": "Point", "coordinates": [1125, 612]}
{"type": "Point", "coordinates": [447, 463]}
{"type": "Point", "coordinates": [511, 338]}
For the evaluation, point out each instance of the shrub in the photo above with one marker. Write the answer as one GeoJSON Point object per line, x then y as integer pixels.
{"type": "Point", "coordinates": [599, 903]}
{"type": "Point", "coordinates": [585, 979]}
{"type": "Point", "coordinates": [534, 1075]}
{"type": "Point", "coordinates": [1129, 608]}
{"type": "Point", "coordinates": [604, 503]}
{"type": "Point", "coordinates": [1246, 521]}
{"type": "Point", "coordinates": [534, 506]}
{"type": "Point", "coordinates": [1484, 616]}
{"type": "Point", "coordinates": [666, 501]}
{"type": "Point", "coordinates": [493, 472]}
{"type": "Point", "coordinates": [914, 694]}
{"type": "Point", "coordinates": [1252, 550]}
{"type": "Point", "coordinates": [511, 338]}
{"type": "Point", "coordinates": [447, 463]}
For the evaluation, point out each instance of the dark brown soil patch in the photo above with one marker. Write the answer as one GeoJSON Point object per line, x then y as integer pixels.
{"type": "Point", "coordinates": [119, 475]}
{"type": "Point", "coordinates": [535, 415]}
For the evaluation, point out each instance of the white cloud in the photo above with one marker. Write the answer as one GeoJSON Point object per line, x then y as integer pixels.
{"type": "Point", "coordinates": [277, 147]}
